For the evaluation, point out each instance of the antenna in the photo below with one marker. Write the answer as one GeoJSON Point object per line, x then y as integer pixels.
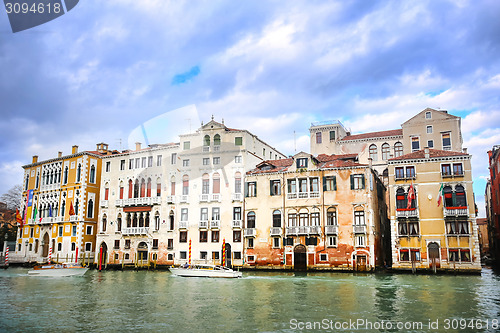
{"type": "Point", "coordinates": [294, 142]}
{"type": "Point", "coordinates": [120, 143]}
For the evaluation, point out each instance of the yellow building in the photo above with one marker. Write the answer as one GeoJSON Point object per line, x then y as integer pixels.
{"type": "Point", "coordinates": [59, 208]}
{"type": "Point", "coordinates": [435, 226]}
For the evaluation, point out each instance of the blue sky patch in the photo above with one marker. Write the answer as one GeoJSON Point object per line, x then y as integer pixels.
{"type": "Point", "coordinates": [187, 76]}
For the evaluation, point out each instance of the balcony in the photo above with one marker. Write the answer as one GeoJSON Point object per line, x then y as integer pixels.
{"type": "Point", "coordinates": [276, 231]}
{"type": "Point", "coordinates": [236, 224]}
{"type": "Point", "coordinates": [184, 199]}
{"type": "Point", "coordinates": [359, 228]}
{"type": "Point", "coordinates": [291, 195]}
{"type": "Point", "coordinates": [135, 231]}
{"type": "Point", "coordinates": [215, 197]}
{"type": "Point", "coordinates": [403, 212]}
{"type": "Point", "coordinates": [119, 202]}
{"type": "Point", "coordinates": [237, 197]}
{"type": "Point", "coordinates": [216, 148]}
{"type": "Point", "coordinates": [292, 230]}
{"type": "Point", "coordinates": [183, 224]}
{"type": "Point", "coordinates": [203, 224]}
{"type": "Point", "coordinates": [156, 200]}
{"type": "Point", "coordinates": [58, 219]}
{"type": "Point", "coordinates": [455, 211]}
{"type": "Point", "coordinates": [73, 218]}
{"type": "Point", "coordinates": [104, 203]}
{"type": "Point", "coordinates": [214, 224]}
{"type": "Point", "coordinates": [303, 195]}
{"type": "Point", "coordinates": [331, 229]}
{"type": "Point", "coordinates": [171, 199]}
{"type": "Point", "coordinates": [206, 149]}
{"type": "Point", "coordinates": [249, 232]}
{"type": "Point", "coordinates": [204, 197]}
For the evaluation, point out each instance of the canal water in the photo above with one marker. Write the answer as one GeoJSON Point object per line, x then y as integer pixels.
{"type": "Point", "coordinates": [115, 301]}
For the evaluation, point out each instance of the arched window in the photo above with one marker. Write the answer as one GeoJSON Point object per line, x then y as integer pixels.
{"type": "Point", "coordinates": [386, 150]}
{"type": "Point", "coordinates": [216, 183]}
{"type": "Point", "coordinates": [172, 185]}
{"type": "Point", "coordinates": [315, 221]}
{"type": "Point", "coordinates": [359, 216]}
{"type": "Point", "coordinates": [119, 222]}
{"type": "Point", "coordinates": [171, 220]}
{"type": "Point", "coordinates": [148, 188]}
{"type": "Point", "coordinates": [129, 221]}
{"type": "Point", "coordinates": [130, 189]}
{"type": "Point", "coordinates": [65, 175]}
{"type": "Point", "coordinates": [331, 216]}
{"type": "Point", "coordinates": [104, 222]}
{"type": "Point", "coordinates": [90, 209]}
{"type": "Point", "coordinates": [26, 182]}
{"type": "Point", "coordinates": [158, 187]}
{"type": "Point", "coordinates": [37, 180]}
{"type": "Point", "coordinates": [398, 149]}
{"type": "Point", "coordinates": [205, 184]}
{"type": "Point", "coordinates": [143, 188]}
{"type": "Point", "coordinates": [206, 140]}
{"type": "Point", "coordinates": [460, 199]}
{"type": "Point", "coordinates": [217, 140]}
{"type": "Point", "coordinates": [448, 196]}
{"type": "Point", "coordinates": [401, 202]}
{"type": "Point", "coordinates": [251, 220]}
{"type": "Point", "coordinates": [92, 174]}
{"type": "Point", "coordinates": [292, 218]}
{"type": "Point", "coordinates": [146, 220]}
{"type": "Point", "coordinates": [78, 174]}
{"type": "Point", "coordinates": [276, 219]}
{"type": "Point", "coordinates": [136, 188]}
{"type": "Point", "coordinates": [121, 190]}
{"type": "Point", "coordinates": [185, 185]}
{"type": "Point", "coordinates": [157, 221]}
{"type": "Point", "coordinates": [373, 152]}
{"type": "Point", "coordinates": [237, 182]}
{"type": "Point", "coordinates": [76, 206]}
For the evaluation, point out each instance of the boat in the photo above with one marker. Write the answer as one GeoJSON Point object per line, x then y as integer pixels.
{"type": "Point", "coordinates": [64, 269]}
{"type": "Point", "coordinates": [201, 270]}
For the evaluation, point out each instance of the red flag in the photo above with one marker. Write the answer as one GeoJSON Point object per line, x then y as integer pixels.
{"type": "Point", "coordinates": [411, 196]}
{"type": "Point", "coordinates": [19, 219]}
{"type": "Point", "coordinates": [71, 209]}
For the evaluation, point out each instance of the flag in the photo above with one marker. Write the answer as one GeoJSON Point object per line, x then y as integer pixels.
{"type": "Point", "coordinates": [34, 214]}
{"type": "Point", "coordinates": [411, 196]}
{"type": "Point", "coordinates": [71, 209]}
{"type": "Point", "coordinates": [19, 219]}
{"type": "Point", "coordinates": [50, 211]}
{"type": "Point", "coordinates": [440, 195]}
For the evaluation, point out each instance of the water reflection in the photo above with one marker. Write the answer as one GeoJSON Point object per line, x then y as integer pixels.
{"type": "Point", "coordinates": [261, 301]}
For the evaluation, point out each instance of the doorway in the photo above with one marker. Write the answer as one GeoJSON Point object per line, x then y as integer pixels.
{"type": "Point", "coordinates": [434, 257]}
{"type": "Point", "coordinates": [142, 252]}
{"type": "Point", "coordinates": [228, 255]}
{"type": "Point", "coordinates": [300, 257]}
{"type": "Point", "coordinates": [361, 263]}
{"type": "Point", "coordinates": [104, 249]}
{"type": "Point", "coordinates": [46, 244]}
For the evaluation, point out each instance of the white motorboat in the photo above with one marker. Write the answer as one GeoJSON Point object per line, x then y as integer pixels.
{"type": "Point", "coordinates": [213, 271]}
{"type": "Point", "coordinates": [56, 270]}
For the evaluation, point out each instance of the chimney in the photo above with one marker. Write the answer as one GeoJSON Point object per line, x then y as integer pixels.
{"type": "Point", "coordinates": [137, 146]}
{"type": "Point", "coordinates": [59, 154]}
{"type": "Point", "coordinates": [102, 148]}
{"type": "Point", "coordinates": [74, 149]}
{"type": "Point", "coordinates": [426, 152]}
{"type": "Point", "coordinates": [35, 158]}
{"type": "Point", "coordinates": [464, 150]}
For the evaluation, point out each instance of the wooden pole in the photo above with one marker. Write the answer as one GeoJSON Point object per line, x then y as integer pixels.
{"type": "Point", "coordinates": [123, 262]}
{"type": "Point", "coordinates": [100, 258]}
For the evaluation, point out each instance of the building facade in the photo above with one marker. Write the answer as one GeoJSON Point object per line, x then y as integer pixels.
{"type": "Point", "coordinates": [180, 202]}
{"type": "Point", "coordinates": [493, 203]}
{"type": "Point", "coordinates": [325, 212]}
{"type": "Point", "coordinates": [60, 206]}
{"type": "Point", "coordinates": [432, 212]}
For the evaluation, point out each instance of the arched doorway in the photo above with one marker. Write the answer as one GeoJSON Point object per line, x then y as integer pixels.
{"type": "Point", "coordinates": [142, 252]}
{"type": "Point", "coordinates": [434, 256]}
{"type": "Point", "coordinates": [46, 244]}
{"type": "Point", "coordinates": [300, 257]}
{"type": "Point", "coordinates": [228, 255]}
{"type": "Point", "coordinates": [104, 250]}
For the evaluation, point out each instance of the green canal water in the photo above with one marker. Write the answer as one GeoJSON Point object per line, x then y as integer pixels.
{"type": "Point", "coordinates": [115, 301]}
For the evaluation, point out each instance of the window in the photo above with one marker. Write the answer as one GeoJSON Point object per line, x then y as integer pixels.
{"type": "Point", "coordinates": [173, 158]}
{"type": "Point", "coordinates": [311, 241]}
{"type": "Point", "coordinates": [446, 138]}
{"type": "Point", "coordinates": [203, 236]}
{"type": "Point", "coordinates": [184, 214]}
{"type": "Point", "coordinates": [398, 149]}
{"type": "Point", "coordinates": [158, 160]}
{"type": "Point", "coordinates": [216, 160]}
{"type": "Point", "coordinates": [458, 169]}
{"type": "Point", "coordinates": [251, 220]}
{"type": "Point", "coordinates": [88, 247]}
{"type": "Point", "coordinates": [459, 255]}
{"type": "Point", "coordinates": [170, 244]}
{"type": "Point", "coordinates": [250, 243]}
{"type": "Point", "coordinates": [90, 209]}
{"type": "Point", "coordinates": [185, 163]}
{"type": "Point", "coordinates": [117, 244]}
{"type": "Point", "coordinates": [238, 141]}
{"type": "Point", "coordinates": [292, 186]}
{"type": "Point", "coordinates": [406, 228]}
{"type": "Point", "coordinates": [410, 172]}
{"type": "Point", "coordinates": [215, 236]}
{"type": "Point", "coordinates": [108, 166]}
{"type": "Point", "coordinates": [276, 219]}
{"type": "Point", "coordinates": [206, 140]}
{"type": "Point", "coordinates": [217, 140]}
{"type": "Point", "coordinates": [314, 184]}
{"type": "Point", "coordinates": [216, 183]}
{"type": "Point", "coordinates": [78, 173]}
{"type": "Point", "coordinates": [131, 163]}
{"type": "Point", "coordinates": [215, 214]}
{"type": "Point", "coordinates": [237, 236]}
{"type": "Point", "coordinates": [185, 185]}
{"type": "Point", "coordinates": [292, 220]}
{"type": "Point", "coordinates": [122, 164]}
{"type": "Point", "coordinates": [415, 143]}
{"type": "Point", "coordinates": [330, 183]}
{"type": "Point", "coordinates": [332, 136]}
{"type": "Point", "coordinates": [275, 187]}
{"type": "Point", "coordinates": [137, 163]}
{"type": "Point", "coordinates": [318, 137]}
{"type": "Point", "coordinates": [215, 255]}
{"type": "Point", "coordinates": [401, 202]}
{"type": "Point", "coordinates": [360, 240]}
{"type": "Point", "coordinates": [204, 214]}
{"type": "Point", "coordinates": [150, 161]}
{"type": "Point", "coordinates": [302, 163]}
{"type": "Point", "coordinates": [237, 213]}
{"type": "Point", "coordinates": [315, 219]}
{"type": "Point", "coordinates": [73, 233]}
{"type": "Point", "coordinates": [251, 189]}
{"type": "Point", "coordinates": [183, 235]}
{"type": "Point", "coordinates": [386, 151]}
{"type": "Point", "coordinates": [60, 233]}
{"type": "Point", "coordinates": [203, 255]}
{"type": "Point", "coordinates": [399, 172]}
{"type": "Point", "coordinates": [205, 184]}
{"type": "Point", "coordinates": [357, 182]}
{"type": "Point", "coordinates": [143, 162]}
{"type": "Point", "coordinates": [127, 243]}
{"type": "Point", "coordinates": [446, 170]}
{"type": "Point", "coordinates": [303, 185]}
{"type": "Point", "coordinates": [359, 217]}
{"type": "Point", "coordinates": [88, 230]}
{"type": "Point", "coordinates": [206, 161]}
{"type": "Point", "coordinates": [237, 183]}
{"type": "Point", "coordinates": [187, 145]}
{"type": "Point", "coordinates": [251, 258]}
{"type": "Point", "coordinates": [430, 143]}
{"type": "Point", "coordinates": [183, 254]}
{"type": "Point", "coordinates": [429, 129]}
{"type": "Point", "coordinates": [73, 247]}
{"type": "Point", "coordinates": [332, 241]}
{"type": "Point", "coordinates": [373, 152]}
{"type": "Point", "coordinates": [428, 115]}
{"type": "Point", "coordinates": [288, 241]}
{"type": "Point", "coordinates": [331, 216]}
{"type": "Point", "coordinates": [238, 159]}
{"type": "Point", "coordinates": [276, 243]}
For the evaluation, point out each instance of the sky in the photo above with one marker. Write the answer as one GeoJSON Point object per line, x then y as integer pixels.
{"type": "Point", "coordinates": [104, 68]}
